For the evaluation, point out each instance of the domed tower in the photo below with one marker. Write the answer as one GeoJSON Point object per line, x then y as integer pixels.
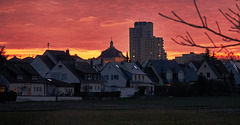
{"type": "Point", "coordinates": [112, 54]}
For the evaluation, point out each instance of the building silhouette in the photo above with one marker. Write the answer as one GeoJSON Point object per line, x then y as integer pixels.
{"type": "Point", "coordinates": [111, 54]}
{"type": "Point", "coordinates": [143, 45]}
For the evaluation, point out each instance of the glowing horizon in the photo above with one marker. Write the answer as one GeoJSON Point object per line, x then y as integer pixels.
{"type": "Point", "coordinates": [86, 27]}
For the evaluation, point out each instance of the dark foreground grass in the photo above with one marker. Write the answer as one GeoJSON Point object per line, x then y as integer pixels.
{"type": "Point", "coordinates": [143, 111]}
{"type": "Point", "coordinates": [120, 117]}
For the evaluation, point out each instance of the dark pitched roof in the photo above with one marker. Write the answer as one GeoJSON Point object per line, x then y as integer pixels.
{"type": "Point", "coordinates": [15, 59]}
{"type": "Point", "coordinates": [11, 71]}
{"type": "Point", "coordinates": [27, 59]}
{"type": "Point", "coordinates": [197, 64]}
{"type": "Point", "coordinates": [79, 68]}
{"type": "Point", "coordinates": [162, 66]}
{"type": "Point", "coordinates": [189, 74]}
{"type": "Point", "coordinates": [218, 67]}
{"type": "Point", "coordinates": [59, 55]}
{"type": "Point", "coordinates": [84, 67]}
{"type": "Point", "coordinates": [150, 73]}
{"type": "Point", "coordinates": [58, 83]}
{"type": "Point", "coordinates": [111, 52]}
{"type": "Point", "coordinates": [47, 61]}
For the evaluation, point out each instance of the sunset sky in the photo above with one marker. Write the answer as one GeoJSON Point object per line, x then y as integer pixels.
{"type": "Point", "coordinates": [85, 27]}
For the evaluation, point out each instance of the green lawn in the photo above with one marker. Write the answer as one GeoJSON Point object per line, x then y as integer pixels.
{"type": "Point", "coordinates": [120, 117]}
{"type": "Point", "coordinates": [148, 111]}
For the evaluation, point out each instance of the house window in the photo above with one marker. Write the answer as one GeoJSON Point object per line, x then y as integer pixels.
{"type": "Point", "coordinates": [205, 66]}
{"type": "Point", "coordinates": [116, 77]}
{"type": "Point", "coordinates": [139, 77]}
{"type": "Point", "coordinates": [111, 77]}
{"type": "Point", "coordinates": [37, 89]}
{"type": "Point", "coordinates": [59, 66]}
{"type": "Point", "coordinates": [64, 77]}
{"type": "Point", "coordinates": [208, 74]}
{"type": "Point", "coordinates": [143, 77]}
{"type": "Point", "coordinates": [201, 74]}
{"type": "Point", "coordinates": [89, 77]}
{"type": "Point", "coordinates": [135, 77]}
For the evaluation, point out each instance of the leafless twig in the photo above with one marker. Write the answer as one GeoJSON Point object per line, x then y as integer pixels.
{"type": "Point", "coordinates": [188, 40]}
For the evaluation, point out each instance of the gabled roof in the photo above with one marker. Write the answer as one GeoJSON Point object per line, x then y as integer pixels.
{"type": "Point", "coordinates": [197, 64]}
{"type": "Point", "coordinates": [84, 67]}
{"type": "Point", "coordinates": [79, 68]}
{"type": "Point", "coordinates": [162, 66]}
{"type": "Point", "coordinates": [58, 83]}
{"type": "Point", "coordinates": [150, 73]}
{"type": "Point", "coordinates": [218, 67]}
{"type": "Point", "coordinates": [190, 74]}
{"type": "Point", "coordinates": [12, 69]}
{"type": "Point", "coordinates": [47, 61]}
{"type": "Point", "coordinates": [111, 52]}
{"type": "Point", "coordinates": [236, 65]}
{"type": "Point", "coordinates": [27, 59]}
{"type": "Point", "coordinates": [129, 67]}
{"type": "Point", "coordinates": [58, 55]}
{"type": "Point", "coordinates": [15, 59]}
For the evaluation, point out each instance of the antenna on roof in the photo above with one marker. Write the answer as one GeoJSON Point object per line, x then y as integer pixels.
{"type": "Point", "coordinates": [48, 44]}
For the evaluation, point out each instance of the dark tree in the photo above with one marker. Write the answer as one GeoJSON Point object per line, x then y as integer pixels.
{"type": "Point", "coordinates": [2, 56]}
{"type": "Point", "coordinates": [233, 17]}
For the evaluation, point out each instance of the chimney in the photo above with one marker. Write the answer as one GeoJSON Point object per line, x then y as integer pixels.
{"type": "Point", "coordinates": [67, 52]}
{"type": "Point", "coordinates": [91, 62]}
{"type": "Point", "coordinates": [101, 62]}
{"type": "Point", "coordinates": [127, 58]}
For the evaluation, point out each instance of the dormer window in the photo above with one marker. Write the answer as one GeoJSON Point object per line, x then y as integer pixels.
{"type": "Point", "coordinates": [19, 76]}
{"type": "Point", "coordinates": [135, 67]}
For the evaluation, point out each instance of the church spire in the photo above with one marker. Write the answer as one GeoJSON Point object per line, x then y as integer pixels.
{"type": "Point", "coordinates": [111, 43]}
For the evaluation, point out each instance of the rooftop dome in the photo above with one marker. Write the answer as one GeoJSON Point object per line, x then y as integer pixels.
{"type": "Point", "coordinates": [111, 52]}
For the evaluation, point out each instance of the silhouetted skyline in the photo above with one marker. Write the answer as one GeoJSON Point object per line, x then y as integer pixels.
{"type": "Point", "coordinates": [85, 27]}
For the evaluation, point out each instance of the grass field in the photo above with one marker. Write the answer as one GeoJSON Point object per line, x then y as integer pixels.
{"type": "Point", "coordinates": [147, 111]}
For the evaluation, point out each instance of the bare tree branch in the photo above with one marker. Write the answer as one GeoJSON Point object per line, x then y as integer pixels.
{"type": "Point", "coordinates": [199, 14]}
{"type": "Point", "coordinates": [188, 40]}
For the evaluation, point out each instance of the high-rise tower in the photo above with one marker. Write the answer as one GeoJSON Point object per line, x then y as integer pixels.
{"type": "Point", "coordinates": [143, 45]}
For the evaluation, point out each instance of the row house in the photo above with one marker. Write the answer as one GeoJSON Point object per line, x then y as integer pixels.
{"type": "Point", "coordinates": [164, 73]}
{"type": "Point", "coordinates": [212, 69]}
{"type": "Point", "coordinates": [126, 75]}
{"type": "Point", "coordinates": [73, 70]}
{"type": "Point", "coordinates": [23, 79]}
